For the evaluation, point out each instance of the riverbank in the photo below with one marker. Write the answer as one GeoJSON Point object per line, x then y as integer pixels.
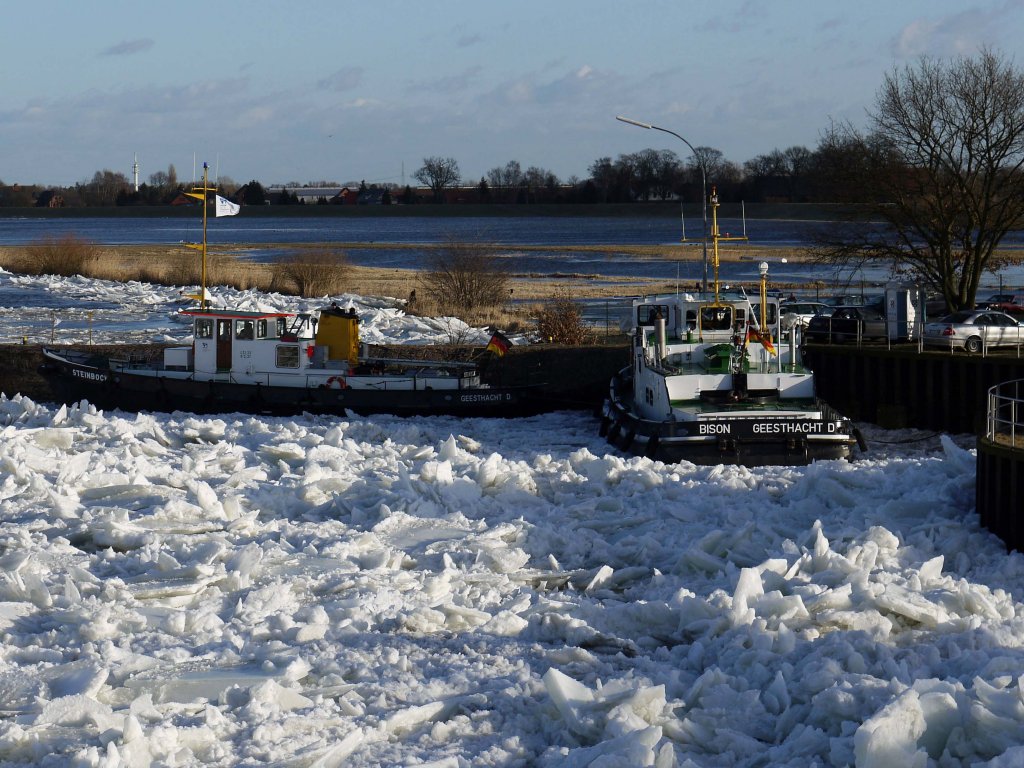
{"type": "Point", "coordinates": [248, 268]}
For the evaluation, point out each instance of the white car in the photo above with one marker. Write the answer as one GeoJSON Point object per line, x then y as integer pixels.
{"type": "Point", "coordinates": [804, 310]}
{"type": "Point", "coordinates": [974, 330]}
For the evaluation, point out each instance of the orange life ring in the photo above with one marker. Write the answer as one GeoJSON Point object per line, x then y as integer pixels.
{"type": "Point", "coordinates": [338, 380]}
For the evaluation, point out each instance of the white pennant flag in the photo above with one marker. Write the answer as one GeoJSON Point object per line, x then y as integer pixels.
{"type": "Point", "coordinates": [226, 208]}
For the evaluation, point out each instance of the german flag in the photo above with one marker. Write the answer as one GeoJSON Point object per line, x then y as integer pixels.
{"type": "Point", "coordinates": [764, 338]}
{"type": "Point", "coordinates": [498, 344]}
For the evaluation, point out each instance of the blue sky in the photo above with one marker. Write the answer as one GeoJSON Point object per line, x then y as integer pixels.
{"type": "Point", "coordinates": [340, 90]}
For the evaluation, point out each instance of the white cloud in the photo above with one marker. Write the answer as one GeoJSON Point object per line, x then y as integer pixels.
{"type": "Point", "coordinates": [962, 33]}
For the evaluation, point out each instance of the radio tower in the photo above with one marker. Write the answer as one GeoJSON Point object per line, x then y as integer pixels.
{"type": "Point", "coordinates": [135, 171]}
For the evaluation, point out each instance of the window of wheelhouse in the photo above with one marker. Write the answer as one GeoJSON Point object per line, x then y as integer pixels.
{"type": "Point", "coordinates": [266, 329]}
{"type": "Point", "coordinates": [646, 314]}
{"type": "Point", "coordinates": [716, 318]}
{"type": "Point", "coordinates": [771, 313]}
{"type": "Point", "coordinates": [244, 329]}
{"type": "Point", "coordinates": [282, 326]}
{"type": "Point", "coordinates": [204, 328]}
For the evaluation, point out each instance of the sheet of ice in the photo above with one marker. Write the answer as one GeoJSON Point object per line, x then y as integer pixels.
{"type": "Point", "coordinates": [186, 590]}
{"type": "Point", "coordinates": [52, 309]}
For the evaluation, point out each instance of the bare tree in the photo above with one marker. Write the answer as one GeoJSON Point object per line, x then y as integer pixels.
{"type": "Point", "coordinates": [438, 173]}
{"type": "Point", "coordinates": [464, 277]}
{"type": "Point", "coordinates": [506, 180]}
{"type": "Point", "coordinates": [943, 164]}
{"type": "Point", "coordinates": [311, 272]}
{"type": "Point", "coordinates": [645, 168]}
{"type": "Point", "coordinates": [561, 321]}
{"type": "Point", "coordinates": [708, 158]}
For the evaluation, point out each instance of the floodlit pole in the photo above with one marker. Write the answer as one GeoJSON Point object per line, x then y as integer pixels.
{"type": "Point", "coordinates": [703, 184]}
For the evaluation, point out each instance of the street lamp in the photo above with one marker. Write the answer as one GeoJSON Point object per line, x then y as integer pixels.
{"type": "Point", "coordinates": [703, 183]}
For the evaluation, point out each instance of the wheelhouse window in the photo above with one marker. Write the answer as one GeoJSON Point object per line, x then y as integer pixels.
{"type": "Point", "coordinates": [771, 313]}
{"type": "Point", "coordinates": [714, 318]}
{"type": "Point", "coordinates": [648, 313]}
{"type": "Point", "coordinates": [288, 356]}
{"type": "Point", "coordinates": [204, 328]}
{"type": "Point", "coordinates": [265, 329]}
{"type": "Point", "coordinates": [244, 329]}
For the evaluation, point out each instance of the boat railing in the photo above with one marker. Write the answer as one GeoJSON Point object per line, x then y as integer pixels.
{"type": "Point", "coordinates": [1004, 417]}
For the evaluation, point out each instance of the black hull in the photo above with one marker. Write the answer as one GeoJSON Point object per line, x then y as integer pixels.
{"type": "Point", "coordinates": [72, 382]}
{"type": "Point", "coordinates": [750, 441]}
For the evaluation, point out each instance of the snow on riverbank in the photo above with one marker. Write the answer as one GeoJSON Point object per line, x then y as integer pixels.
{"type": "Point", "coordinates": [313, 591]}
{"type": "Point", "coordinates": [47, 308]}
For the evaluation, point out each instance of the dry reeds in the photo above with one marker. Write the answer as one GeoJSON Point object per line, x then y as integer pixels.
{"type": "Point", "coordinates": [310, 273]}
{"type": "Point", "coordinates": [560, 321]}
{"type": "Point", "coordinates": [464, 278]}
{"type": "Point", "coordinates": [64, 255]}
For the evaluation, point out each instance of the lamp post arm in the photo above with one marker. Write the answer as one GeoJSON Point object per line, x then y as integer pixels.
{"type": "Point", "coordinates": [703, 181]}
{"type": "Point", "coordinates": [703, 195]}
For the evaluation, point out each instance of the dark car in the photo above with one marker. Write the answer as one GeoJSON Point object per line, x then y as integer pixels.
{"type": "Point", "coordinates": [996, 299]}
{"type": "Point", "coordinates": [1016, 311]}
{"type": "Point", "coordinates": [847, 324]}
{"type": "Point", "coordinates": [854, 300]}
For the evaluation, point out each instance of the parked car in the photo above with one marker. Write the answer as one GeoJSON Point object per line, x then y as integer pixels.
{"type": "Point", "coordinates": [847, 324]}
{"type": "Point", "coordinates": [974, 330]}
{"type": "Point", "coordinates": [804, 310]}
{"type": "Point", "coordinates": [843, 300]}
{"type": "Point", "coordinates": [1016, 311]}
{"type": "Point", "coordinates": [1000, 298]}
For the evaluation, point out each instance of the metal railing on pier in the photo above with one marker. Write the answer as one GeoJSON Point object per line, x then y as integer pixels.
{"type": "Point", "coordinates": [1004, 414]}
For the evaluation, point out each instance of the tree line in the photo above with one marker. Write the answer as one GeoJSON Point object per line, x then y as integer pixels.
{"type": "Point", "coordinates": [796, 174]}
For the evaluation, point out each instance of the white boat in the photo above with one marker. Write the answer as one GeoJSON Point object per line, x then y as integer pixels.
{"type": "Point", "coordinates": [718, 378]}
{"type": "Point", "coordinates": [280, 362]}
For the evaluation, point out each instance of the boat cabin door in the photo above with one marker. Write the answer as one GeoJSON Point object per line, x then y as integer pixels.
{"type": "Point", "coordinates": [223, 344]}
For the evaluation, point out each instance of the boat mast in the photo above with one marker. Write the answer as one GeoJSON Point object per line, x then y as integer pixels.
{"type": "Point", "coordinates": [715, 236]}
{"type": "Point", "coordinates": [202, 287]}
{"type": "Point", "coordinates": [200, 193]}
